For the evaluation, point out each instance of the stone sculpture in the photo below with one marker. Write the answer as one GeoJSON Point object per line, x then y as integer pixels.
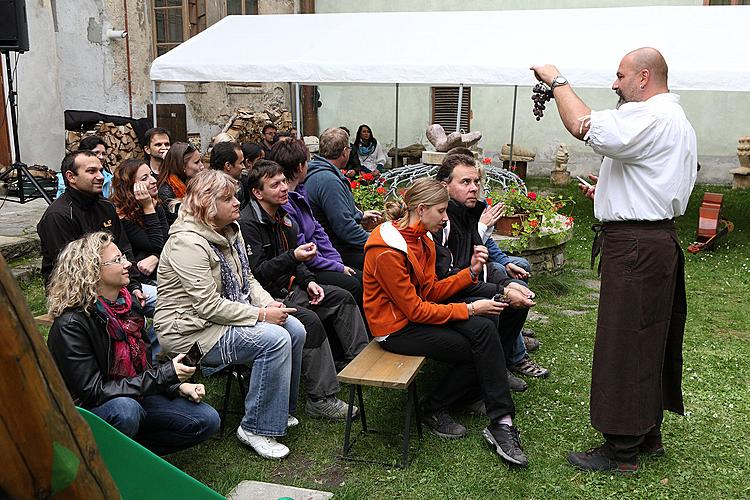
{"type": "Point", "coordinates": [442, 142]}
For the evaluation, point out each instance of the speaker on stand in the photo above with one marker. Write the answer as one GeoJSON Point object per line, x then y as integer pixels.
{"type": "Point", "coordinates": [14, 37]}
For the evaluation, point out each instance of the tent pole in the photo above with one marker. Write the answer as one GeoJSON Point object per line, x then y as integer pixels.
{"type": "Point", "coordinates": [153, 100]}
{"type": "Point", "coordinates": [299, 110]}
{"type": "Point", "coordinates": [395, 158]}
{"type": "Point", "coordinates": [513, 125]}
{"type": "Point", "coordinates": [460, 102]}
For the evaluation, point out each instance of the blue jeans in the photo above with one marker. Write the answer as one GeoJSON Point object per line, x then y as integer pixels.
{"type": "Point", "coordinates": [519, 348]}
{"type": "Point", "coordinates": [275, 355]}
{"type": "Point", "coordinates": [161, 424]}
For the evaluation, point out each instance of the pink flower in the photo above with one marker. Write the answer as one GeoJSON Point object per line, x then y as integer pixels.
{"type": "Point", "coordinates": [531, 195]}
{"type": "Point", "coordinates": [487, 161]}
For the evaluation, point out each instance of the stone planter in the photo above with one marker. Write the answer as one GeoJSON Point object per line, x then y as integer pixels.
{"type": "Point", "coordinates": [504, 225]}
{"type": "Point", "coordinates": [546, 253]}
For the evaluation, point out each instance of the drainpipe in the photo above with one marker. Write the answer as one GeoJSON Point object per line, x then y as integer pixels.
{"type": "Point", "coordinates": [127, 57]}
{"type": "Point", "coordinates": [310, 125]}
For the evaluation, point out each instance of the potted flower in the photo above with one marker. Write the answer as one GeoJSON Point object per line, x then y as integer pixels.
{"type": "Point", "coordinates": [369, 193]}
{"type": "Point", "coordinates": [530, 215]}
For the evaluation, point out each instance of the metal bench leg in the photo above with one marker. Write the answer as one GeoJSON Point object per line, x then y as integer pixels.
{"type": "Point", "coordinates": [361, 401]}
{"type": "Point", "coordinates": [349, 412]}
{"type": "Point", "coordinates": [225, 405]}
{"type": "Point", "coordinates": [407, 427]}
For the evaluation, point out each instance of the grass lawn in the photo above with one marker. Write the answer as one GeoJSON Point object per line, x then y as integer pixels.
{"type": "Point", "coordinates": [708, 450]}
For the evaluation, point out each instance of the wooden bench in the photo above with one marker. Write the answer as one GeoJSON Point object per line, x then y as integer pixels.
{"type": "Point", "coordinates": [44, 319]}
{"type": "Point", "coordinates": [377, 367]}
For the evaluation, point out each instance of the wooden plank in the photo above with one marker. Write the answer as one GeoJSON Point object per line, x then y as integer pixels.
{"type": "Point", "coordinates": [44, 319]}
{"type": "Point", "coordinates": [377, 367]}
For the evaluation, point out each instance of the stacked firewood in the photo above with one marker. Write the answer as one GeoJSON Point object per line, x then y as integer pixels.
{"type": "Point", "coordinates": [122, 141]}
{"type": "Point", "coordinates": [247, 126]}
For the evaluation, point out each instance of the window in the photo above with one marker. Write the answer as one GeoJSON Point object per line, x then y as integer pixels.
{"type": "Point", "coordinates": [242, 7]}
{"type": "Point", "coordinates": [445, 107]}
{"type": "Point", "coordinates": [726, 2]}
{"type": "Point", "coordinates": [175, 21]}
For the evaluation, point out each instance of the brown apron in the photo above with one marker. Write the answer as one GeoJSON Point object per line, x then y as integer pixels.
{"type": "Point", "coordinates": [637, 368]}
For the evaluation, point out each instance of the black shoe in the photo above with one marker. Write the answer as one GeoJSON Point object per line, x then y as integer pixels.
{"type": "Point", "coordinates": [506, 440]}
{"type": "Point", "coordinates": [529, 368]}
{"type": "Point", "coordinates": [516, 384]}
{"type": "Point", "coordinates": [652, 448]}
{"type": "Point", "coordinates": [443, 425]}
{"type": "Point", "coordinates": [531, 344]}
{"type": "Point", "coordinates": [599, 459]}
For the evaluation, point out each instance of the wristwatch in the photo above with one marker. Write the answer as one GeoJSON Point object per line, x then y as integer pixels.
{"type": "Point", "coordinates": [558, 81]}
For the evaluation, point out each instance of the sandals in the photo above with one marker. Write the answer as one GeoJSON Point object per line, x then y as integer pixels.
{"type": "Point", "coordinates": [529, 368]}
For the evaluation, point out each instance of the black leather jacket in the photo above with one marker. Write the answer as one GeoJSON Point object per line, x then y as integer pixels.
{"type": "Point", "coordinates": [81, 348]}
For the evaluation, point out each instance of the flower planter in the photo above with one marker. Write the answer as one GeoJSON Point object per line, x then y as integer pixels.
{"type": "Point", "coordinates": [504, 224]}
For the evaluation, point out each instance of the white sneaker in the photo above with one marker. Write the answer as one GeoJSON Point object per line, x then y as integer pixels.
{"type": "Point", "coordinates": [265, 446]}
{"type": "Point", "coordinates": [292, 421]}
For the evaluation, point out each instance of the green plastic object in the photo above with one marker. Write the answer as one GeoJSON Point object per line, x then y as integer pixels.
{"type": "Point", "coordinates": [139, 473]}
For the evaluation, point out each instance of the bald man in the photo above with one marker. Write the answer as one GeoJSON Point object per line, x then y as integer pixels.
{"type": "Point", "coordinates": [644, 182]}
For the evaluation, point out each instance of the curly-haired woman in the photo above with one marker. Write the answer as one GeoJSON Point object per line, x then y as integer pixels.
{"type": "Point", "coordinates": [136, 198]}
{"type": "Point", "coordinates": [98, 342]}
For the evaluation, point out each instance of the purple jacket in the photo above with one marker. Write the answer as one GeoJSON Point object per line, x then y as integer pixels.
{"type": "Point", "coordinates": [310, 230]}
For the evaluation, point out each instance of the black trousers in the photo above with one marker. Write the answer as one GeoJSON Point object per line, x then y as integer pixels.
{"type": "Point", "coordinates": [476, 353]}
{"type": "Point", "coordinates": [625, 448]}
{"type": "Point", "coordinates": [352, 284]}
{"type": "Point", "coordinates": [353, 257]}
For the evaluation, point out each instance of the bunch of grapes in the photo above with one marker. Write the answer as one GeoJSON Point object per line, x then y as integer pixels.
{"type": "Point", "coordinates": [540, 95]}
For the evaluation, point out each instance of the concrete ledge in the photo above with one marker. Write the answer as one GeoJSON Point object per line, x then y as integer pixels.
{"type": "Point", "coordinates": [257, 490]}
{"type": "Point", "coordinates": [15, 247]}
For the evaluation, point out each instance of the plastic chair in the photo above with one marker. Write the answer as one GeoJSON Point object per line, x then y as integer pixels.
{"type": "Point", "coordinates": [139, 473]}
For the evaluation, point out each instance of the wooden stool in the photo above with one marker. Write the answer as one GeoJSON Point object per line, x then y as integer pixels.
{"type": "Point", "coordinates": [377, 367]}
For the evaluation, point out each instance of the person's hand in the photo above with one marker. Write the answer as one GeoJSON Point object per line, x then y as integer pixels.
{"type": "Point", "coordinates": [371, 215]}
{"type": "Point", "coordinates": [305, 252]}
{"type": "Point", "coordinates": [516, 272]}
{"type": "Point", "coordinates": [142, 196]}
{"type": "Point", "coordinates": [140, 296]}
{"type": "Point", "coordinates": [492, 214]}
{"type": "Point", "coordinates": [315, 293]}
{"type": "Point", "coordinates": [351, 173]}
{"type": "Point", "coordinates": [147, 265]}
{"type": "Point", "coordinates": [589, 191]}
{"type": "Point", "coordinates": [276, 315]}
{"type": "Point", "coordinates": [478, 259]}
{"type": "Point", "coordinates": [193, 392]}
{"type": "Point", "coordinates": [545, 73]}
{"type": "Point", "coordinates": [376, 172]}
{"type": "Point", "coordinates": [488, 307]}
{"type": "Point", "coordinates": [519, 299]}
{"type": "Point", "coordinates": [183, 372]}
{"type": "Point", "coordinates": [349, 271]}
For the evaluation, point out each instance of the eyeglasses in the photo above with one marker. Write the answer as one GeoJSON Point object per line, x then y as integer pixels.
{"type": "Point", "coordinates": [120, 259]}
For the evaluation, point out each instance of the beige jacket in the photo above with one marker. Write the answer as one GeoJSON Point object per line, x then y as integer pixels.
{"type": "Point", "coordinates": [189, 305]}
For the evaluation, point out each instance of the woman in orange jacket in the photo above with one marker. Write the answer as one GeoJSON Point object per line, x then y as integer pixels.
{"type": "Point", "coordinates": [402, 298]}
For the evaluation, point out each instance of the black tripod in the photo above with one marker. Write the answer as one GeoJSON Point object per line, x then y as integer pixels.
{"type": "Point", "coordinates": [21, 170]}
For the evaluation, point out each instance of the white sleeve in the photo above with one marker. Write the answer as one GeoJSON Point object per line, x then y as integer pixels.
{"type": "Point", "coordinates": [627, 133]}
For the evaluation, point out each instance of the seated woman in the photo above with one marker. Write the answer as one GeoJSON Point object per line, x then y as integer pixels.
{"type": "Point", "coordinates": [136, 199]}
{"type": "Point", "coordinates": [327, 265]}
{"type": "Point", "coordinates": [181, 163]}
{"type": "Point", "coordinates": [208, 295]}
{"type": "Point", "coordinates": [402, 301]}
{"type": "Point", "coordinates": [98, 342]}
{"type": "Point", "coordinates": [371, 155]}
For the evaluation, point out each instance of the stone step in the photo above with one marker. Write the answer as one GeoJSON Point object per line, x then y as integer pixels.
{"type": "Point", "coordinates": [257, 490]}
{"type": "Point", "coordinates": [17, 247]}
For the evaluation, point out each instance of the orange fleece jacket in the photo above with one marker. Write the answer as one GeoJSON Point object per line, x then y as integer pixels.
{"type": "Point", "coordinates": [399, 290]}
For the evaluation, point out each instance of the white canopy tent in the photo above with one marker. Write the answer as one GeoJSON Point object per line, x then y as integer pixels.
{"type": "Point", "coordinates": [706, 47]}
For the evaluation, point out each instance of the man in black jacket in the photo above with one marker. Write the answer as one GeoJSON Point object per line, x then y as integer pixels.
{"type": "Point", "coordinates": [280, 268]}
{"type": "Point", "coordinates": [462, 233]}
{"type": "Point", "coordinates": [80, 210]}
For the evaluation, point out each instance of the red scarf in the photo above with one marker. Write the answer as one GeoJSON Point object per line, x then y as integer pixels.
{"type": "Point", "coordinates": [125, 328]}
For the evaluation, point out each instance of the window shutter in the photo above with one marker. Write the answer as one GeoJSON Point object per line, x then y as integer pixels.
{"type": "Point", "coordinates": [445, 107]}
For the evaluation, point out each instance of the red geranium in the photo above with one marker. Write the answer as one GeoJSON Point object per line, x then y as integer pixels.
{"type": "Point", "coordinates": [368, 177]}
{"type": "Point", "coordinates": [531, 195]}
{"type": "Point", "coordinates": [533, 223]}
{"type": "Point", "coordinates": [354, 184]}
{"type": "Point", "coordinates": [487, 161]}
{"type": "Point", "coordinates": [381, 190]}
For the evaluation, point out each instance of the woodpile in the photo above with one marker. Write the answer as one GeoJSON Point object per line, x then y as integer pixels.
{"type": "Point", "coordinates": [247, 126]}
{"type": "Point", "coordinates": [122, 142]}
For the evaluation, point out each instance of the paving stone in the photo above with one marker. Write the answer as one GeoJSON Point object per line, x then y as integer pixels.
{"type": "Point", "coordinates": [570, 313]}
{"type": "Point", "coordinates": [537, 317]}
{"type": "Point", "coordinates": [257, 490]}
{"type": "Point", "coordinates": [592, 284]}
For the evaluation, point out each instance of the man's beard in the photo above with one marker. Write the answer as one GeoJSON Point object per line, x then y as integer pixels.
{"type": "Point", "coordinates": [620, 101]}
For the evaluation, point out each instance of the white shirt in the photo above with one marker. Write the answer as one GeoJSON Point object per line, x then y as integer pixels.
{"type": "Point", "coordinates": [651, 160]}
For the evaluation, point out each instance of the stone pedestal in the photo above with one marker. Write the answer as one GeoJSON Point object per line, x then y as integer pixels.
{"type": "Point", "coordinates": [740, 178]}
{"type": "Point", "coordinates": [546, 254]}
{"type": "Point", "coordinates": [559, 177]}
